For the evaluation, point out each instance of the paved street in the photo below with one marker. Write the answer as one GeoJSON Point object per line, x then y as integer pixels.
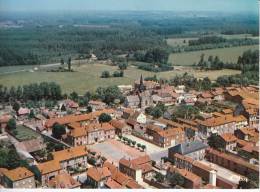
{"type": "Point", "coordinates": [224, 173]}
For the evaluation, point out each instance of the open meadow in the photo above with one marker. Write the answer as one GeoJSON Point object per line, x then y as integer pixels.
{"type": "Point", "coordinates": [87, 76]}
{"type": "Point", "coordinates": [230, 54]}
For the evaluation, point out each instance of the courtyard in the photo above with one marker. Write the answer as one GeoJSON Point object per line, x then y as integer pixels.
{"type": "Point", "coordinates": [114, 150]}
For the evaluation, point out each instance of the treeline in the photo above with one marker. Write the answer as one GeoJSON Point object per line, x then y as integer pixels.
{"type": "Point", "coordinates": [34, 92]}
{"type": "Point", "coordinates": [207, 40]}
{"type": "Point", "coordinates": [226, 44]}
{"type": "Point", "coordinates": [247, 62]}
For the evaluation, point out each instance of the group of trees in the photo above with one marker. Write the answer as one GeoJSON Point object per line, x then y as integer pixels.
{"type": "Point", "coordinates": [58, 130]}
{"type": "Point", "coordinates": [106, 74]}
{"type": "Point", "coordinates": [213, 63]}
{"type": "Point", "coordinates": [155, 60]}
{"type": "Point", "coordinates": [109, 95]}
{"type": "Point", "coordinates": [247, 62]}
{"type": "Point", "coordinates": [156, 111]}
{"type": "Point", "coordinates": [132, 142]}
{"type": "Point", "coordinates": [104, 117]}
{"type": "Point", "coordinates": [34, 91]}
{"type": "Point", "coordinates": [191, 82]}
{"type": "Point", "coordinates": [185, 112]}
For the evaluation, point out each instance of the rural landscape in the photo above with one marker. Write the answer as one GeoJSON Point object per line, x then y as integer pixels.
{"type": "Point", "coordinates": [129, 99]}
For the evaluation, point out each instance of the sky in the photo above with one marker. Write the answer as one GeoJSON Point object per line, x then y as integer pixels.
{"type": "Point", "coordinates": [137, 5]}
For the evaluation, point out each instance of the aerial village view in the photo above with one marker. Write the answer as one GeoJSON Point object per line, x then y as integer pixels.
{"type": "Point", "coordinates": [134, 95]}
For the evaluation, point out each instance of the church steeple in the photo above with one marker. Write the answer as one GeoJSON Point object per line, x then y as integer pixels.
{"type": "Point", "coordinates": [141, 86]}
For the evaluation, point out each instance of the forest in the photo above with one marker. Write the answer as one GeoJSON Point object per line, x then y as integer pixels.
{"type": "Point", "coordinates": [46, 38]}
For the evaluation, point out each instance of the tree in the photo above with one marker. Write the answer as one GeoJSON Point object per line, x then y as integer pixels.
{"type": "Point", "coordinates": [159, 177]}
{"type": "Point", "coordinates": [109, 94]}
{"type": "Point", "coordinates": [139, 145]}
{"type": "Point", "coordinates": [105, 74]}
{"type": "Point", "coordinates": [89, 109]}
{"type": "Point", "coordinates": [176, 179]}
{"type": "Point", "coordinates": [104, 117]}
{"type": "Point", "coordinates": [62, 61]}
{"type": "Point", "coordinates": [74, 96]}
{"type": "Point", "coordinates": [133, 143]}
{"type": "Point", "coordinates": [216, 142]}
{"type": "Point", "coordinates": [190, 133]}
{"type": "Point", "coordinates": [16, 107]}
{"type": "Point", "coordinates": [143, 147]}
{"type": "Point", "coordinates": [31, 114]}
{"type": "Point", "coordinates": [58, 130]}
{"type": "Point", "coordinates": [11, 124]}
{"type": "Point", "coordinates": [122, 66]}
{"type": "Point", "coordinates": [156, 112]}
{"type": "Point", "coordinates": [69, 63]}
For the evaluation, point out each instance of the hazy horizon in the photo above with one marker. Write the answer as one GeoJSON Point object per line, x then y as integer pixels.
{"type": "Point", "coordinates": [232, 6]}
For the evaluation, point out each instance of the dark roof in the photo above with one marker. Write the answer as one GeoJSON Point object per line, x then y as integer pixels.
{"type": "Point", "coordinates": [188, 147]}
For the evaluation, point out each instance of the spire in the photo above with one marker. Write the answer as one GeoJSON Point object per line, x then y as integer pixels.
{"type": "Point", "coordinates": [141, 86]}
{"type": "Point", "coordinates": [141, 80]}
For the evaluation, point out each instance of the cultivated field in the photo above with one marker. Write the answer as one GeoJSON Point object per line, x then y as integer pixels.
{"type": "Point", "coordinates": [87, 77]}
{"type": "Point", "coordinates": [225, 54]}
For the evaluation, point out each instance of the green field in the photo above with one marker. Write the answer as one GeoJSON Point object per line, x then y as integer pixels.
{"type": "Point", "coordinates": [225, 54]}
{"type": "Point", "coordinates": [87, 77]}
{"type": "Point", "coordinates": [175, 42]}
{"type": "Point", "coordinates": [24, 133]}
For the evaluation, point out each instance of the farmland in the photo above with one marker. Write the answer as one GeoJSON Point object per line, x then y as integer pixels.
{"type": "Point", "coordinates": [87, 77]}
{"type": "Point", "coordinates": [225, 54]}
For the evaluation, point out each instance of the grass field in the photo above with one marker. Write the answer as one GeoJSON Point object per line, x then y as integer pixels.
{"type": "Point", "coordinates": [24, 133]}
{"type": "Point", "coordinates": [87, 77]}
{"type": "Point", "coordinates": [225, 54]}
{"type": "Point", "coordinates": [174, 42]}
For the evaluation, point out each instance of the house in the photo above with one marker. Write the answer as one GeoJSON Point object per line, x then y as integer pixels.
{"type": "Point", "coordinates": [205, 97]}
{"type": "Point", "coordinates": [4, 120]}
{"type": "Point", "coordinates": [221, 124]}
{"type": "Point", "coordinates": [136, 168]}
{"type": "Point", "coordinates": [127, 112]}
{"type": "Point", "coordinates": [121, 128]}
{"type": "Point", "coordinates": [119, 179]}
{"type": "Point", "coordinates": [98, 176]}
{"type": "Point", "coordinates": [72, 158]}
{"type": "Point", "coordinates": [32, 145]}
{"type": "Point", "coordinates": [132, 101]}
{"type": "Point", "coordinates": [89, 134]}
{"type": "Point", "coordinates": [207, 173]}
{"type": "Point", "coordinates": [165, 137]}
{"type": "Point", "coordinates": [23, 113]}
{"type": "Point", "coordinates": [247, 134]}
{"type": "Point", "coordinates": [180, 89]}
{"type": "Point", "coordinates": [97, 105]}
{"type": "Point", "coordinates": [48, 170]}
{"type": "Point", "coordinates": [68, 119]}
{"type": "Point", "coordinates": [63, 181]}
{"type": "Point", "coordinates": [195, 150]}
{"type": "Point", "coordinates": [19, 177]}
{"type": "Point", "coordinates": [191, 181]}
{"type": "Point", "coordinates": [229, 141]}
{"type": "Point", "coordinates": [250, 109]}
{"type": "Point", "coordinates": [69, 104]}
{"type": "Point", "coordinates": [231, 162]}
{"type": "Point", "coordinates": [218, 94]}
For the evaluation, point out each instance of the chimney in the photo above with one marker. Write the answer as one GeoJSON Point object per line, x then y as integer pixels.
{"type": "Point", "coordinates": [212, 177]}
